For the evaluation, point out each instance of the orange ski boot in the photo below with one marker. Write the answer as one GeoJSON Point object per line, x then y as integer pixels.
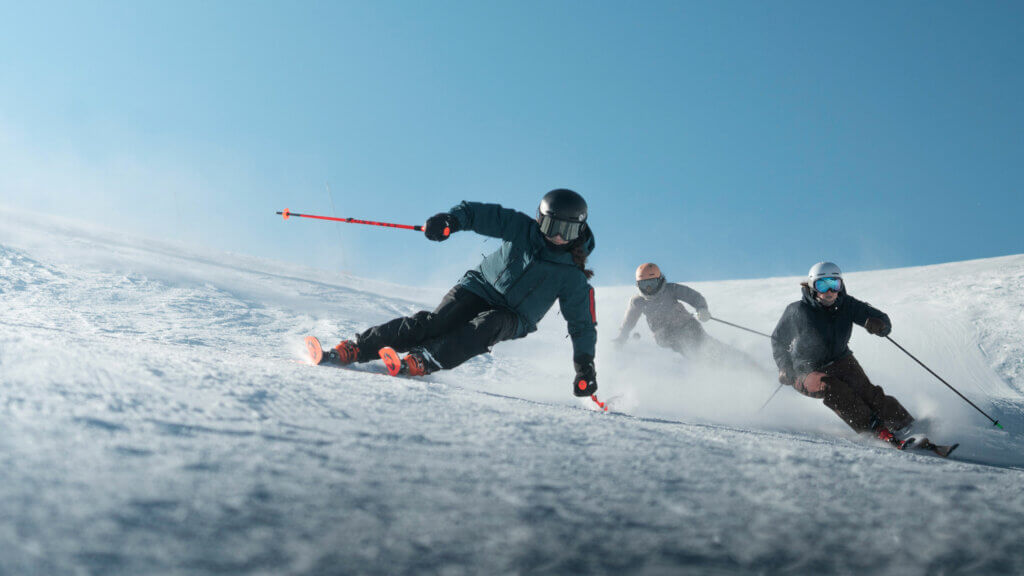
{"type": "Point", "coordinates": [883, 434]}
{"type": "Point", "coordinates": [413, 364]}
{"type": "Point", "coordinates": [346, 352]}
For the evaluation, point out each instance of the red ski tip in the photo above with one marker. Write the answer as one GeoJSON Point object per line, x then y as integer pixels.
{"type": "Point", "coordinates": [286, 213]}
{"type": "Point", "coordinates": [391, 360]}
{"type": "Point", "coordinates": [603, 405]}
{"type": "Point", "coordinates": [316, 352]}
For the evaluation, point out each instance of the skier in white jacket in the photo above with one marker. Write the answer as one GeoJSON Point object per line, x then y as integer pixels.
{"type": "Point", "coordinates": [672, 324]}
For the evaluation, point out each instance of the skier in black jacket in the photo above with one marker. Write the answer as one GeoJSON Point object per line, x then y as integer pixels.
{"type": "Point", "coordinates": [810, 345]}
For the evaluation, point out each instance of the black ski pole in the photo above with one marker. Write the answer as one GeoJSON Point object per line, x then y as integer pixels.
{"type": "Point", "coordinates": [763, 406]}
{"type": "Point", "coordinates": [740, 327]}
{"type": "Point", "coordinates": [994, 422]}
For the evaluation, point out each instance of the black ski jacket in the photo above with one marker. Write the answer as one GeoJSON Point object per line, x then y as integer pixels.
{"type": "Point", "coordinates": [809, 337]}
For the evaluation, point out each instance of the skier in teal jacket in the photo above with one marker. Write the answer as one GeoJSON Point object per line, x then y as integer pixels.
{"type": "Point", "coordinates": [540, 260]}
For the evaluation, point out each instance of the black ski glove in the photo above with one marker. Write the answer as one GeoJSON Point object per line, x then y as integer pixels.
{"type": "Point", "coordinates": [585, 383]}
{"type": "Point", "coordinates": [440, 226]}
{"type": "Point", "coordinates": [877, 326]}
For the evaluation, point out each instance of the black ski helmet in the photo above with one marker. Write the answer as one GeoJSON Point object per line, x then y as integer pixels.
{"type": "Point", "coordinates": [562, 212]}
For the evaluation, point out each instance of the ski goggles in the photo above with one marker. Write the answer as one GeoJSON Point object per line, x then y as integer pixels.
{"type": "Point", "coordinates": [823, 285]}
{"type": "Point", "coordinates": [552, 227]}
{"type": "Point", "coordinates": [650, 285]}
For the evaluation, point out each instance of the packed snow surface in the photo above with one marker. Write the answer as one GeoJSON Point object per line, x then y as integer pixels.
{"type": "Point", "coordinates": [156, 417]}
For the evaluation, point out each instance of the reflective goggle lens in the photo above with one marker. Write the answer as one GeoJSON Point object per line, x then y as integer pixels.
{"type": "Point", "coordinates": [569, 231]}
{"type": "Point", "coordinates": [823, 285]}
{"type": "Point", "coordinates": [650, 285]}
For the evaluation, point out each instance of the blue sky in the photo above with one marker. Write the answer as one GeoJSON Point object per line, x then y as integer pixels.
{"type": "Point", "coordinates": [719, 139]}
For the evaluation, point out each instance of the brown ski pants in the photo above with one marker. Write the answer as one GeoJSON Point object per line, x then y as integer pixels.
{"type": "Point", "coordinates": [845, 389]}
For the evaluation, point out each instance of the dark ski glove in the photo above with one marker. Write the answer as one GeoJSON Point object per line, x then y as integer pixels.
{"type": "Point", "coordinates": [440, 226]}
{"type": "Point", "coordinates": [585, 383]}
{"type": "Point", "coordinates": [703, 314]}
{"type": "Point", "coordinates": [877, 326]}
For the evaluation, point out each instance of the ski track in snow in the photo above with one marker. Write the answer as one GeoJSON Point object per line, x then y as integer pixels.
{"type": "Point", "coordinates": [154, 418]}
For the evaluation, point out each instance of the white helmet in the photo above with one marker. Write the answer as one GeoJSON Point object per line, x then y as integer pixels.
{"type": "Point", "coordinates": [824, 277]}
{"type": "Point", "coordinates": [823, 270]}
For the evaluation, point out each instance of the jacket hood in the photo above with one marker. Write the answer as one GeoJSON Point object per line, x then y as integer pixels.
{"type": "Point", "coordinates": [809, 298]}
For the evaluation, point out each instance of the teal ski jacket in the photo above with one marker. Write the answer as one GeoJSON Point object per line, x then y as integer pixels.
{"type": "Point", "coordinates": [526, 274]}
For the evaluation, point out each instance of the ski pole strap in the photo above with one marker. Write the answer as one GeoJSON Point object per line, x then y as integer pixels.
{"type": "Point", "coordinates": [286, 213]}
{"type": "Point", "coordinates": [740, 327]}
{"type": "Point", "coordinates": [994, 421]}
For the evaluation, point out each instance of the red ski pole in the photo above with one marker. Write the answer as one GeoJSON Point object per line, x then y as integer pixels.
{"type": "Point", "coordinates": [288, 213]}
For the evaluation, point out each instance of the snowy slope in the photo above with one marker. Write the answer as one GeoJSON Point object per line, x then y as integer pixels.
{"type": "Point", "coordinates": [154, 419]}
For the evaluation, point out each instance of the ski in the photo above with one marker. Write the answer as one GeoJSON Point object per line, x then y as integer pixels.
{"type": "Point", "coordinates": [316, 352]}
{"type": "Point", "coordinates": [319, 356]}
{"type": "Point", "coordinates": [904, 444]}
{"type": "Point", "coordinates": [941, 450]}
{"type": "Point", "coordinates": [391, 360]}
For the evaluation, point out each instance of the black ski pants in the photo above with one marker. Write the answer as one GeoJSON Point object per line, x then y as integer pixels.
{"type": "Point", "coordinates": [845, 388]}
{"type": "Point", "coordinates": [462, 326]}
